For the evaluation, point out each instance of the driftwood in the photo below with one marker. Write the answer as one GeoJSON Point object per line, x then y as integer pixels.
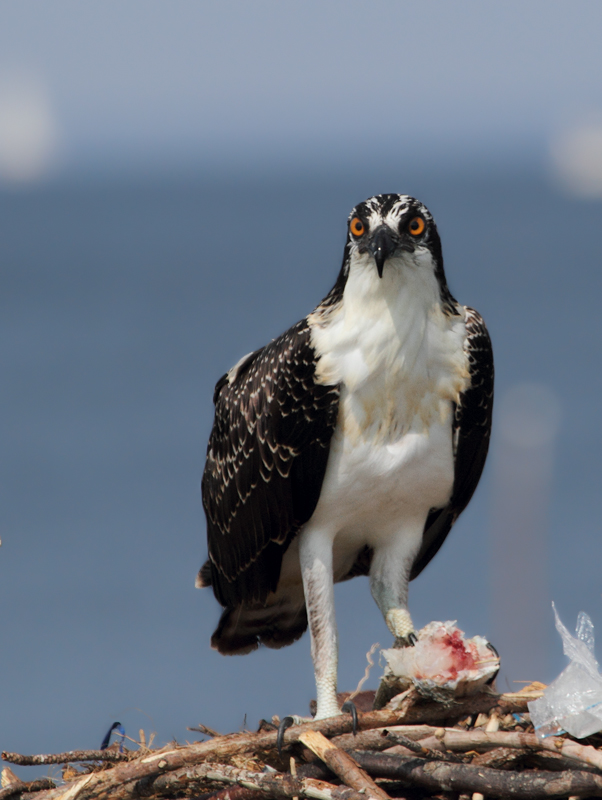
{"type": "Point", "coordinates": [421, 759]}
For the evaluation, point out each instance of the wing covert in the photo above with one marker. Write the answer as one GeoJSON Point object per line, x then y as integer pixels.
{"type": "Point", "coordinates": [266, 460]}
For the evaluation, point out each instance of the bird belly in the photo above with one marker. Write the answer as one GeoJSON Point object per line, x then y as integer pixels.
{"type": "Point", "coordinates": [376, 490]}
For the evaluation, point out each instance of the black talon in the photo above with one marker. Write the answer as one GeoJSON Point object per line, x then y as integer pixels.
{"type": "Point", "coordinates": [287, 722]}
{"type": "Point", "coordinates": [412, 639]}
{"type": "Point", "coordinates": [497, 655]}
{"type": "Point", "coordinates": [349, 707]}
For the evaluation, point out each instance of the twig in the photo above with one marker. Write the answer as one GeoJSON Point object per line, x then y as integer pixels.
{"type": "Point", "coordinates": [70, 756]}
{"type": "Point", "coordinates": [200, 728]}
{"type": "Point", "coordinates": [420, 749]}
{"type": "Point", "coordinates": [499, 758]}
{"type": "Point", "coordinates": [342, 764]}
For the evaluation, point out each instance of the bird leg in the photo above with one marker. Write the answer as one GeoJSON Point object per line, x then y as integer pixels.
{"type": "Point", "coordinates": [389, 578]}
{"type": "Point", "coordinates": [315, 551]}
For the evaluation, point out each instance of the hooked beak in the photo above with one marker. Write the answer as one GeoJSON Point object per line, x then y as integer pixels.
{"type": "Point", "coordinates": [382, 246]}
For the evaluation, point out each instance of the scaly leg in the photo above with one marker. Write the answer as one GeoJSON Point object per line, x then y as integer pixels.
{"type": "Point", "coordinates": [389, 578]}
{"type": "Point", "coordinates": [315, 551]}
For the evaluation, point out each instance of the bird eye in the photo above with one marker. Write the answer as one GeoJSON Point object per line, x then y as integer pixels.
{"type": "Point", "coordinates": [416, 226]}
{"type": "Point", "coordinates": [357, 227]}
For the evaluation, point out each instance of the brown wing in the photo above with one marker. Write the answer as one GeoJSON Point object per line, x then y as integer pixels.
{"type": "Point", "coordinates": [472, 429]}
{"type": "Point", "coordinates": [266, 460]}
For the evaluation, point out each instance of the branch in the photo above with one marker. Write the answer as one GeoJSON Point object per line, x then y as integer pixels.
{"type": "Point", "coordinates": [417, 738]}
{"type": "Point", "coordinates": [459, 740]}
{"type": "Point", "coordinates": [501, 758]}
{"type": "Point", "coordinates": [69, 757]}
{"type": "Point", "coordinates": [411, 708]}
{"type": "Point", "coordinates": [19, 787]}
{"type": "Point", "coordinates": [275, 784]}
{"type": "Point", "coordinates": [437, 777]}
{"type": "Point", "coordinates": [342, 764]}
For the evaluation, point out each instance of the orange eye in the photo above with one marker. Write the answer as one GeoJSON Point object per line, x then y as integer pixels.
{"type": "Point", "coordinates": [357, 226]}
{"type": "Point", "coordinates": [416, 226]}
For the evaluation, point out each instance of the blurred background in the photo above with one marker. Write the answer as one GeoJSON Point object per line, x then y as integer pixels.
{"type": "Point", "coordinates": [174, 185]}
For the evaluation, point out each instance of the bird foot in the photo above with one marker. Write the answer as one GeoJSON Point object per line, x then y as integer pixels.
{"type": "Point", "coordinates": [348, 707]}
{"type": "Point", "coordinates": [401, 626]}
{"type": "Point", "coordinates": [405, 641]}
{"type": "Point", "coordinates": [297, 720]}
{"type": "Point", "coordinates": [497, 655]}
{"type": "Point", "coordinates": [288, 722]}
{"type": "Point", "coordinates": [285, 722]}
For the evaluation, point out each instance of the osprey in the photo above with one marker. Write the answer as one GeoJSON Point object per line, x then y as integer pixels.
{"type": "Point", "coordinates": [348, 446]}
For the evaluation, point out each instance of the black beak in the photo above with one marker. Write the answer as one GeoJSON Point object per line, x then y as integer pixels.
{"type": "Point", "coordinates": [382, 246]}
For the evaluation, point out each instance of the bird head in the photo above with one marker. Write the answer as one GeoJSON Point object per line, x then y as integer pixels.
{"type": "Point", "coordinates": [391, 226]}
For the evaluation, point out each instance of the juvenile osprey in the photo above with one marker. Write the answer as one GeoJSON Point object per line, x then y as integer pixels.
{"type": "Point", "coordinates": [348, 446]}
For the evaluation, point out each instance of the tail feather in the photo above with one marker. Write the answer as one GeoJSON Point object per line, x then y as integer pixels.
{"type": "Point", "coordinates": [245, 627]}
{"type": "Point", "coordinates": [203, 578]}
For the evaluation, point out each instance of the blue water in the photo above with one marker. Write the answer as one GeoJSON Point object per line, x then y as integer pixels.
{"type": "Point", "coordinates": [121, 304]}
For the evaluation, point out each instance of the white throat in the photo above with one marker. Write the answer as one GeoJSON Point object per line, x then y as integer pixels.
{"type": "Point", "coordinates": [399, 358]}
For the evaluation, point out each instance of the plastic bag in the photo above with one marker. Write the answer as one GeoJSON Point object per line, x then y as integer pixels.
{"type": "Point", "coordinates": [573, 702]}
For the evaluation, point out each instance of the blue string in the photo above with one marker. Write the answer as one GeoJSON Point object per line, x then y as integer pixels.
{"type": "Point", "coordinates": [116, 726]}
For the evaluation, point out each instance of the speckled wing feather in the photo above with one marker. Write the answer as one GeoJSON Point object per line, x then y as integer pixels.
{"type": "Point", "coordinates": [472, 429]}
{"type": "Point", "coordinates": [266, 460]}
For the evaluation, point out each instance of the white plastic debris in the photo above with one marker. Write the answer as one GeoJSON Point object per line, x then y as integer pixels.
{"type": "Point", "coordinates": [573, 702]}
{"type": "Point", "coordinates": [442, 659]}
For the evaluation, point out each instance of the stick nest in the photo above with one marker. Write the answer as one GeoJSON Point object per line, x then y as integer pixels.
{"type": "Point", "coordinates": [418, 747]}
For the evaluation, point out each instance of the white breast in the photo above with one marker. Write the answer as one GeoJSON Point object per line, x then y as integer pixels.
{"type": "Point", "coordinates": [401, 364]}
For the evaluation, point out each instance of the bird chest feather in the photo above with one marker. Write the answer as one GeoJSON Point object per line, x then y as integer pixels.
{"type": "Point", "coordinates": [399, 358]}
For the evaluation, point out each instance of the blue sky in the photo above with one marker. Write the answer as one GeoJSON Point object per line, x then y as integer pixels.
{"type": "Point", "coordinates": [158, 81]}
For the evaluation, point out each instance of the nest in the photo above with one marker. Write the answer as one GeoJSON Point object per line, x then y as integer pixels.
{"type": "Point", "coordinates": [419, 745]}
